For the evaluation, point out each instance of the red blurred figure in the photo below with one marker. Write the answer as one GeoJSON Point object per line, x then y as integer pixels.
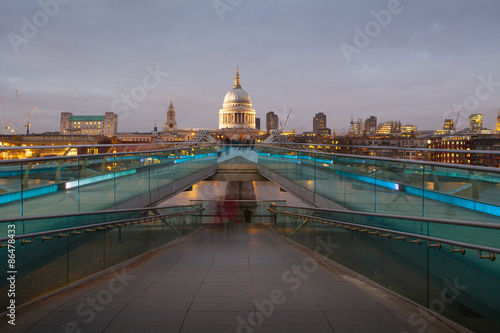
{"type": "Point", "coordinates": [231, 210]}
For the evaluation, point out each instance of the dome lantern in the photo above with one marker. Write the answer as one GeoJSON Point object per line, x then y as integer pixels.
{"type": "Point", "coordinates": [237, 84]}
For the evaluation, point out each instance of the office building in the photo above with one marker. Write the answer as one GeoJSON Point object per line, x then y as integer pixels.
{"type": "Point", "coordinates": [106, 125]}
{"type": "Point", "coordinates": [272, 121]}
{"type": "Point", "coordinates": [319, 122]}
{"type": "Point", "coordinates": [475, 123]}
{"type": "Point", "coordinates": [371, 124]}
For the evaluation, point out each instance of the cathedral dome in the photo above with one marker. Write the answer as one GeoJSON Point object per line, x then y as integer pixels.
{"type": "Point", "coordinates": [237, 109]}
{"type": "Point", "coordinates": [237, 95]}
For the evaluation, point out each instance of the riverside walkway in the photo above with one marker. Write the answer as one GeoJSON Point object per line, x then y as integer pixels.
{"type": "Point", "coordinates": [244, 278]}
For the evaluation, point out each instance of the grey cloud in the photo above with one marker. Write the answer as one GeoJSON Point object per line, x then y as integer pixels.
{"type": "Point", "coordinates": [91, 52]}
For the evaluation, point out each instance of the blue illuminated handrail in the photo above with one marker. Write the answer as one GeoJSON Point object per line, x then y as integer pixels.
{"type": "Point", "coordinates": [56, 158]}
{"type": "Point", "coordinates": [398, 160]}
{"type": "Point", "coordinates": [493, 152]}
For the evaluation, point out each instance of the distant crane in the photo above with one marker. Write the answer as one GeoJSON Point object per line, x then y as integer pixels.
{"type": "Point", "coordinates": [5, 121]}
{"type": "Point", "coordinates": [26, 117]}
{"type": "Point", "coordinates": [286, 120]}
{"type": "Point", "coordinates": [456, 121]}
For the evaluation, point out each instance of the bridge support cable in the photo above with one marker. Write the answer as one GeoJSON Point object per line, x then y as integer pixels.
{"type": "Point", "coordinates": [200, 138]}
{"type": "Point", "coordinates": [300, 226]}
{"type": "Point", "coordinates": [281, 140]}
{"type": "Point", "coordinates": [164, 220]}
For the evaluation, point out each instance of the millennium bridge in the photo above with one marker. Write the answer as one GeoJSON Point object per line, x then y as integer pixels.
{"type": "Point", "coordinates": [204, 237]}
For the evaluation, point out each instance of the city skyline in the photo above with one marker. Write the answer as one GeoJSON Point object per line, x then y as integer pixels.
{"type": "Point", "coordinates": [407, 61]}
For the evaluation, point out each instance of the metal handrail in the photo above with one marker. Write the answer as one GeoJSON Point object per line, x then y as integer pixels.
{"type": "Point", "coordinates": [56, 158]}
{"type": "Point", "coordinates": [488, 225]}
{"type": "Point", "coordinates": [388, 232]}
{"type": "Point", "coordinates": [398, 160]}
{"type": "Point", "coordinates": [97, 225]}
{"type": "Point", "coordinates": [94, 212]}
{"type": "Point", "coordinates": [493, 152]}
{"type": "Point", "coordinates": [238, 200]}
{"type": "Point", "coordinates": [92, 145]}
{"type": "Point", "coordinates": [177, 146]}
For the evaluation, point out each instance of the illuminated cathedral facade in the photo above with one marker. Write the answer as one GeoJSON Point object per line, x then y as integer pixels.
{"type": "Point", "coordinates": [237, 112]}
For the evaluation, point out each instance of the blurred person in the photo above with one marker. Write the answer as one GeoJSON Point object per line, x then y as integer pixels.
{"type": "Point", "coordinates": [231, 210]}
{"type": "Point", "coordinates": [248, 215]}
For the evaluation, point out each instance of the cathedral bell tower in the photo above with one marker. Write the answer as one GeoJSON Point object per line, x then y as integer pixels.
{"type": "Point", "coordinates": [170, 125]}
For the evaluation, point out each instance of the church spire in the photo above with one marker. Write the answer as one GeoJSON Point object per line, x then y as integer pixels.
{"type": "Point", "coordinates": [170, 125]}
{"type": "Point", "coordinates": [237, 84]}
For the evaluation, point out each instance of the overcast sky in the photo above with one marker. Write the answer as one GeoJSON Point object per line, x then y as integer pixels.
{"type": "Point", "coordinates": [414, 64]}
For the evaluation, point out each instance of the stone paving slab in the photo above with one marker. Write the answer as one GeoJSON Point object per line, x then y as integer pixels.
{"type": "Point", "coordinates": [246, 281]}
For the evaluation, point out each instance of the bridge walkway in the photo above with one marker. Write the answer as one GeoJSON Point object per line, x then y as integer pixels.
{"type": "Point", "coordinates": [243, 278]}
